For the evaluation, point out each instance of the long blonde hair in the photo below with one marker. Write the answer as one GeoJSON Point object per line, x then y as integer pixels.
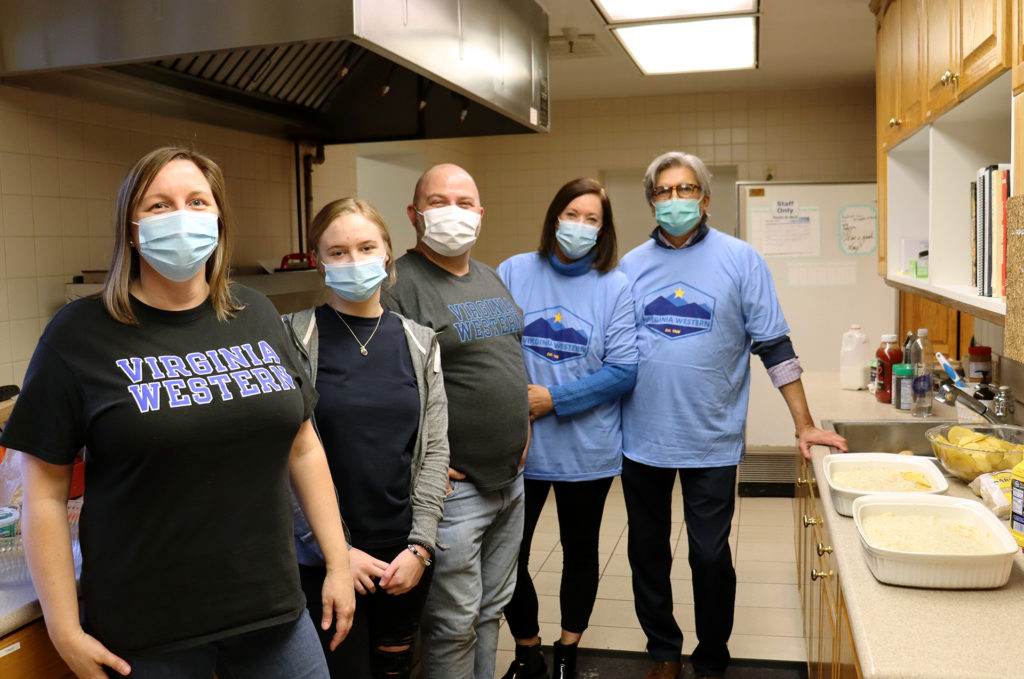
{"type": "Point", "coordinates": [348, 206]}
{"type": "Point", "coordinates": [124, 262]}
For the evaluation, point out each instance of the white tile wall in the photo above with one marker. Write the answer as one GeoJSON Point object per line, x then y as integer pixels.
{"type": "Point", "coordinates": [61, 162]}
{"type": "Point", "coordinates": [62, 159]}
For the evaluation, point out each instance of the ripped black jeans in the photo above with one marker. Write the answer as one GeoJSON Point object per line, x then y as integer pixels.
{"type": "Point", "coordinates": [381, 620]}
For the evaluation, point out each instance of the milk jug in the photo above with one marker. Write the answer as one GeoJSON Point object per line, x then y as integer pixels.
{"type": "Point", "coordinates": [854, 359]}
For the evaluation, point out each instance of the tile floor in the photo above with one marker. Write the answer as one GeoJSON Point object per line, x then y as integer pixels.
{"type": "Point", "coordinates": [767, 621]}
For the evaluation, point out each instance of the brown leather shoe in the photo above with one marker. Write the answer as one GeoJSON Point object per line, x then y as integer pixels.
{"type": "Point", "coordinates": [665, 670]}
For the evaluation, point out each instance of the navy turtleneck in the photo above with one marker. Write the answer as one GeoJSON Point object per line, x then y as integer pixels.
{"type": "Point", "coordinates": [574, 268]}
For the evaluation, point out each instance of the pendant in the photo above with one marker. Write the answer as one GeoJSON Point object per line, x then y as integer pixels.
{"type": "Point", "coordinates": [362, 350]}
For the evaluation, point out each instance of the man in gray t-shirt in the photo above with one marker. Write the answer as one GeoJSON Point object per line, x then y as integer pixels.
{"type": "Point", "coordinates": [479, 328]}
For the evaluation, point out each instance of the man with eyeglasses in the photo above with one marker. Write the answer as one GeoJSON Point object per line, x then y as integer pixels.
{"type": "Point", "coordinates": [479, 328]}
{"type": "Point", "coordinates": [704, 301]}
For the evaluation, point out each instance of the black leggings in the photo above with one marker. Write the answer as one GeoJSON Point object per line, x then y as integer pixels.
{"type": "Point", "coordinates": [580, 505]}
{"type": "Point", "coordinates": [381, 619]}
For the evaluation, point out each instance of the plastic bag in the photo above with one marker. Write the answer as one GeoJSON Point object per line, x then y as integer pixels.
{"type": "Point", "coordinates": [994, 490]}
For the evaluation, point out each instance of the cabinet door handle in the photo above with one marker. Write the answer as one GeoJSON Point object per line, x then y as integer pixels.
{"type": "Point", "coordinates": [946, 78]}
{"type": "Point", "coordinates": [800, 480]}
{"type": "Point", "coordinates": [815, 574]}
{"type": "Point", "coordinates": [808, 521]}
{"type": "Point", "coordinates": [892, 122]}
{"type": "Point", "coordinates": [955, 78]}
{"type": "Point", "coordinates": [824, 549]}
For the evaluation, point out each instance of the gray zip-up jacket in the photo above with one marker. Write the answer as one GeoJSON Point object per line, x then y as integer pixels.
{"type": "Point", "coordinates": [429, 477]}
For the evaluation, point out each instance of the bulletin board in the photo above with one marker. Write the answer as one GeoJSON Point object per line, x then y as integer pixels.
{"type": "Point", "coordinates": [820, 241]}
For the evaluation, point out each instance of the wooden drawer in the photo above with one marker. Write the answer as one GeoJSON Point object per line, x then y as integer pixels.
{"type": "Point", "coordinates": [27, 652]}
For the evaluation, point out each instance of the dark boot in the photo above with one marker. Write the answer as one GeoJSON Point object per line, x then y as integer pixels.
{"type": "Point", "coordinates": [565, 661]}
{"type": "Point", "coordinates": [529, 664]}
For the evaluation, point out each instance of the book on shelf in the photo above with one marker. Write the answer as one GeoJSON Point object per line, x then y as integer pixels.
{"type": "Point", "coordinates": [974, 234]}
{"type": "Point", "coordinates": [988, 230]}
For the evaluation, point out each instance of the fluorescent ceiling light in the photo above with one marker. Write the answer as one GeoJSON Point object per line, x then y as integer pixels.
{"type": "Point", "coordinates": [690, 46]}
{"type": "Point", "coordinates": [617, 11]}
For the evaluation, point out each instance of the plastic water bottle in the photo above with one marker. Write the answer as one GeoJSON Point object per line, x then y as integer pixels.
{"type": "Point", "coordinates": [854, 359]}
{"type": "Point", "coordinates": [922, 357]}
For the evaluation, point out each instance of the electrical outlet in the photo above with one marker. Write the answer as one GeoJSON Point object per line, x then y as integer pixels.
{"type": "Point", "coordinates": [768, 172]}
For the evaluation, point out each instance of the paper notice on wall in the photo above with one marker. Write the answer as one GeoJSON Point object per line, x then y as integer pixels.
{"type": "Point", "coordinates": [858, 229]}
{"type": "Point", "coordinates": [787, 229]}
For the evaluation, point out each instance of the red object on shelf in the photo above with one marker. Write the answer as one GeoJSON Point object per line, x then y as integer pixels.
{"type": "Point", "coordinates": [298, 260]}
{"type": "Point", "coordinates": [77, 478]}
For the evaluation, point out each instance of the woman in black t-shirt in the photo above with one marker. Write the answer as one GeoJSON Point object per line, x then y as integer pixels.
{"type": "Point", "coordinates": [194, 412]}
{"type": "Point", "coordinates": [382, 417]}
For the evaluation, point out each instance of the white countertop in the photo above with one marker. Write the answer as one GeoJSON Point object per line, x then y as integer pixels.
{"type": "Point", "coordinates": [18, 606]}
{"type": "Point", "coordinates": [903, 632]}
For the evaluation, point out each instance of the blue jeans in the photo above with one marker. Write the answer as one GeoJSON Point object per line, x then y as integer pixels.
{"type": "Point", "coordinates": [287, 651]}
{"type": "Point", "coordinates": [475, 578]}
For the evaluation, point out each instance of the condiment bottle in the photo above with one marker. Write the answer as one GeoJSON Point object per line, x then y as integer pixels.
{"type": "Point", "coordinates": [902, 385]}
{"type": "Point", "coordinates": [979, 363]}
{"type": "Point", "coordinates": [888, 353]}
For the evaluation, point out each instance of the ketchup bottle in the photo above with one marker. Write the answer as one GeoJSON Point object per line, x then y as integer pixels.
{"type": "Point", "coordinates": [888, 353]}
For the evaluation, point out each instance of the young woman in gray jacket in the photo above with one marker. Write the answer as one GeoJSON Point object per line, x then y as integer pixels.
{"type": "Point", "coordinates": [383, 419]}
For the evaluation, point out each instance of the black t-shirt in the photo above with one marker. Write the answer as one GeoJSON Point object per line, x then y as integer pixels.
{"type": "Point", "coordinates": [368, 416]}
{"type": "Point", "coordinates": [479, 328]}
{"type": "Point", "coordinates": [188, 422]}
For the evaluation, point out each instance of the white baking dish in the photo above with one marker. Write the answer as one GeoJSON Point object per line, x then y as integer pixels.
{"type": "Point", "coordinates": [940, 571]}
{"type": "Point", "coordinates": [842, 498]}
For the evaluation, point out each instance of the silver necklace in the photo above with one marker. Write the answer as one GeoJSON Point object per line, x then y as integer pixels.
{"type": "Point", "coordinates": [362, 345]}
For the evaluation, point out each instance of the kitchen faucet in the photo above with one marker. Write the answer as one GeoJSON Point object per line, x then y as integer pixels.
{"type": "Point", "coordinates": [1000, 413]}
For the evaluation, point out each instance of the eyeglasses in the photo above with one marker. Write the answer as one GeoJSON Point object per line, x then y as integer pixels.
{"type": "Point", "coordinates": [681, 191]}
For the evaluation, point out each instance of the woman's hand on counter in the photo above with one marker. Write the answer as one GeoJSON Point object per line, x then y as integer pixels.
{"type": "Point", "coordinates": [86, 656]}
{"type": "Point", "coordinates": [812, 436]}
{"type": "Point", "coordinates": [339, 604]}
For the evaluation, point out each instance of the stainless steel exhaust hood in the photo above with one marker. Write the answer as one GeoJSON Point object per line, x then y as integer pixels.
{"type": "Point", "coordinates": [315, 71]}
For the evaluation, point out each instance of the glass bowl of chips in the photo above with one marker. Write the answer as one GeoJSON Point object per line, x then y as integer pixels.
{"type": "Point", "coordinates": [968, 450]}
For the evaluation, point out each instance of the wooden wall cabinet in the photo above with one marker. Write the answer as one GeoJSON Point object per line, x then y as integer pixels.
{"type": "Point", "coordinates": [1017, 46]}
{"type": "Point", "coordinates": [899, 108]}
{"type": "Point", "coordinates": [27, 652]}
{"type": "Point", "coordinates": [830, 650]}
{"type": "Point", "coordinates": [925, 169]}
{"type": "Point", "coordinates": [966, 45]}
{"type": "Point", "coordinates": [940, 54]}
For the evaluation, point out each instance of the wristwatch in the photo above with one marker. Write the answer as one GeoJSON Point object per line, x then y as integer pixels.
{"type": "Point", "coordinates": [425, 559]}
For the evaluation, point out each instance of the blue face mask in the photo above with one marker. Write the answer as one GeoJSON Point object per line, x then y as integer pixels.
{"type": "Point", "coordinates": [355, 281]}
{"type": "Point", "coordinates": [177, 244]}
{"type": "Point", "coordinates": [575, 238]}
{"type": "Point", "coordinates": [677, 216]}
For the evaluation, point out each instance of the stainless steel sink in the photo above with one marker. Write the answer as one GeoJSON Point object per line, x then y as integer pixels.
{"type": "Point", "coordinates": [885, 436]}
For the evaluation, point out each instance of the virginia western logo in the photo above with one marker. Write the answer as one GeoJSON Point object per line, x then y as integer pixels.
{"type": "Point", "coordinates": [556, 334]}
{"type": "Point", "coordinates": [678, 310]}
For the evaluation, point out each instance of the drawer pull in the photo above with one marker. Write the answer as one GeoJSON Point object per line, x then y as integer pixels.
{"type": "Point", "coordinates": [823, 550]}
{"type": "Point", "coordinates": [800, 481]}
{"type": "Point", "coordinates": [808, 521]}
{"type": "Point", "coordinates": [815, 574]}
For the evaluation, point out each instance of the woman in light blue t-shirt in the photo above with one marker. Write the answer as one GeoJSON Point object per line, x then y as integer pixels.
{"type": "Point", "coordinates": [579, 346]}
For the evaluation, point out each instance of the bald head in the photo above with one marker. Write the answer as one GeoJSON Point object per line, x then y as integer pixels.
{"type": "Point", "coordinates": [445, 184]}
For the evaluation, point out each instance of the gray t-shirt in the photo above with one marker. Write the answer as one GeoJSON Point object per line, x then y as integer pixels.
{"type": "Point", "coordinates": [479, 328]}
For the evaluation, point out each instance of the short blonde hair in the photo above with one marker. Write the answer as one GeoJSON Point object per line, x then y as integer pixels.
{"type": "Point", "coordinates": [124, 263]}
{"type": "Point", "coordinates": [350, 206]}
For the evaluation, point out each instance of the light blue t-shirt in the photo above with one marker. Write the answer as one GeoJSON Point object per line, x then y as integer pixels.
{"type": "Point", "coordinates": [572, 325]}
{"type": "Point", "coordinates": [697, 311]}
